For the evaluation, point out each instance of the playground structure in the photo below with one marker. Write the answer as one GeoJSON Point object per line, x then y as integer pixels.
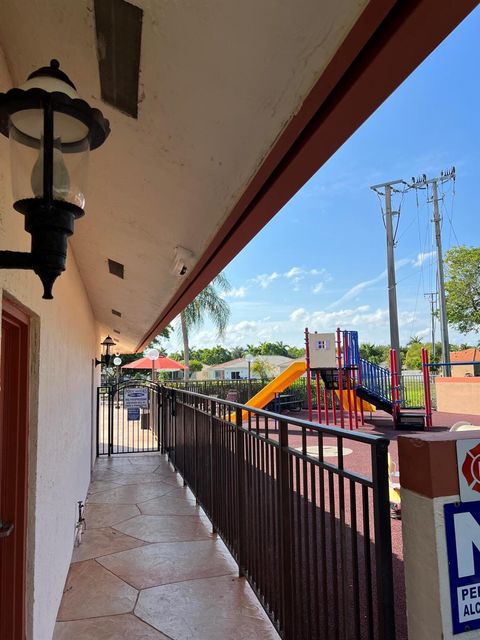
{"type": "Point", "coordinates": [351, 385]}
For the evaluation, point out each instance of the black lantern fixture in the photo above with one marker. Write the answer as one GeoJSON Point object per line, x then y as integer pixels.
{"type": "Point", "coordinates": [51, 132]}
{"type": "Point", "coordinates": [107, 357]}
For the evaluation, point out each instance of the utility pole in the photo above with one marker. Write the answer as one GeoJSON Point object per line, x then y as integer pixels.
{"type": "Point", "coordinates": [392, 284]}
{"type": "Point", "coordinates": [445, 176]}
{"type": "Point", "coordinates": [432, 297]}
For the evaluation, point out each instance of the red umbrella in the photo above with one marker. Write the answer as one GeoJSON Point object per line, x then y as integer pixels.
{"type": "Point", "coordinates": [161, 363]}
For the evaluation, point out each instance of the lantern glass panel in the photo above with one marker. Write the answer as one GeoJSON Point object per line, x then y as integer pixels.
{"type": "Point", "coordinates": [70, 161]}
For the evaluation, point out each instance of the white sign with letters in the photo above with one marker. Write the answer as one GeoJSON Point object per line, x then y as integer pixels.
{"type": "Point", "coordinates": [136, 397]}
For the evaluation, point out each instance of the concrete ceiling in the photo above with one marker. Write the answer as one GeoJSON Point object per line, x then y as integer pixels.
{"type": "Point", "coordinates": [220, 80]}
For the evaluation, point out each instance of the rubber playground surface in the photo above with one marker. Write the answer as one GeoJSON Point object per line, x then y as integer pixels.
{"type": "Point", "coordinates": [357, 459]}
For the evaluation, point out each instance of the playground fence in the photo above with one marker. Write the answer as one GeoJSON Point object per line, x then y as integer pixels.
{"type": "Point", "coordinates": [412, 389]}
{"type": "Point", "coordinates": [219, 388]}
{"type": "Point", "coordinates": [311, 535]}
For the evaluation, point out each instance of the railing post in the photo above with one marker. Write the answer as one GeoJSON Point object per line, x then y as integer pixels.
{"type": "Point", "coordinates": [213, 409]}
{"type": "Point", "coordinates": [195, 465]}
{"type": "Point", "coordinates": [383, 541]}
{"type": "Point", "coordinates": [110, 422]}
{"type": "Point", "coordinates": [159, 415]}
{"type": "Point", "coordinates": [240, 473]}
{"type": "Point", "coordinates": [285, 531]}
{"type": "Point", "coordinates": [98, 423]}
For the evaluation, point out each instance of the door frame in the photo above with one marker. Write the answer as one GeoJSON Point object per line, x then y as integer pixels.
{"type": "Point", "coordinates": [14, 445]}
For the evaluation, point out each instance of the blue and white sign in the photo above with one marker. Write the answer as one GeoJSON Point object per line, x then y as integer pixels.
{"type": "Point", "coordinates": [133, 413]}
{"type": "Point", "coordinates": [135, 397]}
{"type": "Point", "coordinates": [462, 528]}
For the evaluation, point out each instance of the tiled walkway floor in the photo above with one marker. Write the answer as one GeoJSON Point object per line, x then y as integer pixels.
{"type": "Point", "coordinates": [149, 568]}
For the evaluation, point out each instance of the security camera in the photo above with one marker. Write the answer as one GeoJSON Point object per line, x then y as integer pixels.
{"type": "Point", "coordinates": [182, 262]}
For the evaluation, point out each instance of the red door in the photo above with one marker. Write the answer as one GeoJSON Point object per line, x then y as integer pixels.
{"type": "Point", "coordinates": [14, 366]}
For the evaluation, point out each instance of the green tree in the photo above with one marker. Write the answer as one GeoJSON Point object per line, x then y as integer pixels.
{"type": "Point", "coordinates": [208, 303]}
{"type": "Point", "coordinates": [413, 358]}
{"type": "Point", "coordinates": [195, 365]}
{"type": "Point", "coordinates": [237, 352]}
{"type": "Point", "coordinates": [372, 352]}
{"type": "Point", "coordinates": [296, 352]}
{"type": "Point", "coordinates": [462, 288]}
{"type": "Point", "coordinates": [215, 355]}
{"type": "Point", "coordinates": [273, 349]}
{"type": "Point", "coordinates": [262, 368]}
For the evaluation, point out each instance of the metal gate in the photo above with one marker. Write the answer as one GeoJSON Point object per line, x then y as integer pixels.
{"type": "Point", "coordinates": [128, 418]}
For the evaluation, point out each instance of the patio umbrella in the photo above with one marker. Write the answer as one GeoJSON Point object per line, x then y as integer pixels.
{"type": "Point", "coordinates": [162, 363]}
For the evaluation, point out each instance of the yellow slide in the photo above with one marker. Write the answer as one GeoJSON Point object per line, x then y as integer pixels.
{"type": "Point", "coordinates": [277, 385]}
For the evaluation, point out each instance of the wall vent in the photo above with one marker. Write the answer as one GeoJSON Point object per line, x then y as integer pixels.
{"type": "Point", "coordinates": [116, 268]}
{"type": "Point", "coordinates": [118, 26]}
{"type": "Point", "coordinates": [116, 313]}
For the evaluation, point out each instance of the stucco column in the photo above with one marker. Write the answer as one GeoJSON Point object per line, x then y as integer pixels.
{"type": "Point", "coordinates": [429, 480]}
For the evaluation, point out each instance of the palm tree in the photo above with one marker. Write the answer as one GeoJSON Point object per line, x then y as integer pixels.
{"type": "Point", "coordinates": [208, 303]}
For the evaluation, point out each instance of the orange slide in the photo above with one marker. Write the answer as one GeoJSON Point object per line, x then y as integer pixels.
{"type": "Point", "coordinates": [277, 385]}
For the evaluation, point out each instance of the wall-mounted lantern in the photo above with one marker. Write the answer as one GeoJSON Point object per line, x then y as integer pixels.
{"type": "Point", "coordinates": [51, 132]}
{"type": "Point", "coordinates": [106, 358]}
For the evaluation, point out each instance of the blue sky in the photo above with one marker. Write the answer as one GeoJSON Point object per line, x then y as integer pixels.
{"type": "Point", "coordinates": [321, 261]}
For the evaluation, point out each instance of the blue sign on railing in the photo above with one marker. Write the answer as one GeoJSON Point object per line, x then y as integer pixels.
{"type": "Point", "coordinates": [133, 413]}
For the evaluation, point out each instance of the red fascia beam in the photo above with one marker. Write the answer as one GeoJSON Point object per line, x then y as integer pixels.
{"type": "Point", "coordinates": [389, 40]}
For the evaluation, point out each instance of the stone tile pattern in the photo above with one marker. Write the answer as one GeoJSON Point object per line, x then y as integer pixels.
{"type": "Point", "coordinates": [149, 568]}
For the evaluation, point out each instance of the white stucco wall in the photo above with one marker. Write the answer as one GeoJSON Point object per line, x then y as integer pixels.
{"type": "Point", "coordinates": [63, 342]}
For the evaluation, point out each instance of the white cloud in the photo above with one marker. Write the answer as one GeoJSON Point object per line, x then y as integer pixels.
{"type": "Point", "coordinates": [357, 289]}
{"type": "Point", "coordinates": [298, 315]}
{"type": "Point", "coordinates": [238, 292]}
{"type": "Point", "coordinates": [294, 272]}
{"type": "Point", "coordinates": [265, 279]}
{"type": "Point", "coordinates": [422, 257]}
{"type": "Point", "coordinates": [318, 287]}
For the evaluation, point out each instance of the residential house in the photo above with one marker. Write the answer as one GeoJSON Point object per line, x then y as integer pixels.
{"type": "Point", "coordinates": [470, 356]}
{"type": "Point", "coordinates": [238, 369]}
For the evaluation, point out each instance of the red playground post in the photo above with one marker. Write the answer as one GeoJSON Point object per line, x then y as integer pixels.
{"type": "Point", "coordinates": [319, 403]}
{"type": "Point", "coordinates": [340, 377]}
{"type": "Point", "coordinates": [309, 377]}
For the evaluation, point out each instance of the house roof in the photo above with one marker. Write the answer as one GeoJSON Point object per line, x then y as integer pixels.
{"type": "Point", "coordinates": [466, 355]}
{"type": "Point", "coordinates": [241, 362]}
{"type": "Point", "coordinates": [239, 104]}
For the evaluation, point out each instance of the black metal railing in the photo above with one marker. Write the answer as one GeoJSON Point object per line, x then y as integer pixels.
{"type": "Point", "coordinates": [310, 533]}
